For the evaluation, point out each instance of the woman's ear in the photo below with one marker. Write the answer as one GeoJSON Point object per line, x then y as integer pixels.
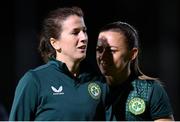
{"type": "Point", "coordinates": [133, 53]}
{"type": "Point", "coordinates": [54, 43]}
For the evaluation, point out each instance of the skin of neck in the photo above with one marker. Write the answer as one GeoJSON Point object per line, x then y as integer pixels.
{"type": "Point", "coordinates": [72, 65]}
{"type": "Point", "coordinates": [119, 77]}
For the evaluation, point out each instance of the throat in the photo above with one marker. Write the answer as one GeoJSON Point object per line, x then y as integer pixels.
{"type": "Point", "coordinates": [74, 70]}
{"type": "Point", "coordinates": [118, 79]}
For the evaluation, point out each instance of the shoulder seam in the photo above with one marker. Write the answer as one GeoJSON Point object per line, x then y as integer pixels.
{"type": "Point", "coordinates": [37, 79]}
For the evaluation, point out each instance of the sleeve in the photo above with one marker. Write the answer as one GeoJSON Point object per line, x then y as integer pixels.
{"type": "Point", "coordinates": [159, 103]}
{"type": "Point", "coordinates": [25, 99]}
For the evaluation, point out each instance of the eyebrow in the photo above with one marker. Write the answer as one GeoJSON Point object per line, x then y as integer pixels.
{"type": "Point", "coordinates": [102, 39]}
{"type": "Point", "coordinates": [80, 28]}
{"type": "Point", "coordinates": [106, 45]}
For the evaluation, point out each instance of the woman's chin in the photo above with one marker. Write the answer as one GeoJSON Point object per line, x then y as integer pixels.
{"type": "Point", "coordinates": [80, 58]}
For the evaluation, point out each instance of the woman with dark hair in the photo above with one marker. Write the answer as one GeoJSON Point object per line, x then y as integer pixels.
{"type": "Point", "coordinates": [134, 96]}
{"type": "Point", "coordinates": [59, 90]}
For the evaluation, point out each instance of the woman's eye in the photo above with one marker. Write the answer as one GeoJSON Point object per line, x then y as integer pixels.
{"type": "Point", "coordinates": [75, 33]}
{"type": "Point", "coordinates": [85, 30]}
{"type": "Point", "coordinates": [112, 50]}
{"type": "Point", "coordinates": [99, 49]}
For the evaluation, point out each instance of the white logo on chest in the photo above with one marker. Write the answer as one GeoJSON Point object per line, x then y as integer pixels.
{"type": "Point", "coordinates": [58, 91]}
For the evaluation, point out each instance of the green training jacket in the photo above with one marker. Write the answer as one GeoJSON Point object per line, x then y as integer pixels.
{"type": "Point", "coordinates": [50, 92]}
{"type": "Point", "coordinates": [140, 100]}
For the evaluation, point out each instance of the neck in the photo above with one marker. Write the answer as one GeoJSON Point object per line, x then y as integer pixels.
{"type": "Point", "coordinates": [73, 66]}
{"type": "Point", "coordinates": [119, 77]}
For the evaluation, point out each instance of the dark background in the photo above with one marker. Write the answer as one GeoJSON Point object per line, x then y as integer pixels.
{"type": "Point", "coordinates": [157, 22]}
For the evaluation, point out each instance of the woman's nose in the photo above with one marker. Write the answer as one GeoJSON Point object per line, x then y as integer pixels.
{"type": "Point", "coordinates": [83, 37]}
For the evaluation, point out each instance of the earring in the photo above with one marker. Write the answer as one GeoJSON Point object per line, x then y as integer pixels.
{"type": "Point", "coordinates": [59, 50]}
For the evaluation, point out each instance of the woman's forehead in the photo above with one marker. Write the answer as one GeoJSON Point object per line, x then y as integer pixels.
{"type": "Point", "coordinates": [111, 38]}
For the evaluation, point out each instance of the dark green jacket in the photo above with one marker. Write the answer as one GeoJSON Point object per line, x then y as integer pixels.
{"type": "Point", "coordinates": [50, 92]}
{"type": "Point", "coordinates": [140, 100]}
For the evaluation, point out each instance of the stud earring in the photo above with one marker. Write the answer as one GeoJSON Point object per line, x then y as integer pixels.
{"type": "Point", "coordinates": [59, 50]}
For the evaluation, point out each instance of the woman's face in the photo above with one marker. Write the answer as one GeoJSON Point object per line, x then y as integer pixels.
{"type": "Point", "coordinates": [73, 39]}
{"type": "Point", "coordinates": [112, 53]}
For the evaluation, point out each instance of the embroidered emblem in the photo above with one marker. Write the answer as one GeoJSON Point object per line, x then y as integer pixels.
{"type": "Point", "coordinates": [94, 90]}
{"type": "Point", "coordinates": [137, 106]}
{"type": "Point", "coordinates": [57, 91]}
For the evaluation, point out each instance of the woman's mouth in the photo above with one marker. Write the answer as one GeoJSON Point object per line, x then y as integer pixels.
{"type": "Point", "coordinates": [82, 47]}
